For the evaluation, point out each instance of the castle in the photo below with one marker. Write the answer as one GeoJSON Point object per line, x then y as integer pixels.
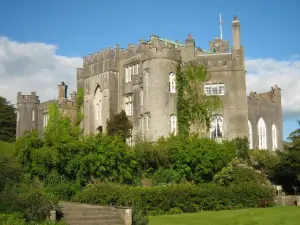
{"type": "Point", "coordinates": [142, 81]}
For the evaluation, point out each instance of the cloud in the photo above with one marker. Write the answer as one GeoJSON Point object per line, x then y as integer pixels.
{"type": "Point", "coordinates": [36, 67]}
{"type": "Point", "coordinates": [264, 73]}
{"type": "Point", "coordinates": [28, 67]}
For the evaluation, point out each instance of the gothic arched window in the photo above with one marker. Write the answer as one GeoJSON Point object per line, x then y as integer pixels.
{"type": "Point", "coordinates": [98, 103]}
{"type": "Point", "coordinates": [262, 134]}
{"type": "Point", "coordinates": [172, 83]}
{"type": "Point", "coordinates": [250, 135]}
{"type": "Point", "coordinates": [216, 127]}
{"type": "Point", "coordinates": [274, 138]}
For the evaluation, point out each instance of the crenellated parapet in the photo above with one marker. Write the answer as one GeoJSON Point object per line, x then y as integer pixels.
{"type": "Point", "coordinates": [33, 98]}
{"type": "Point", "coordinates": [117, 53]}
{"type": "Point", "coordinates": [213, 62]}
{"type": "Point", "coordinates": [272, 96]}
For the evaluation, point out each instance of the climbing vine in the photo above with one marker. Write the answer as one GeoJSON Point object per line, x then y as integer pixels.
{"type": "Point", "coordinates": [194, 108]}
{"type": "Point", "coordinates": [79, 112]}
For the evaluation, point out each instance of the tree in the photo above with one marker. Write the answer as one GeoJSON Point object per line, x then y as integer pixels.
{"type": "Point", "coordinates": [190, 84]}
{"type": "Point", "coordinates": [287, 171]}
{"type": "Point", "coordinates": [59, 128]}
{"type": "Point", "coordinates": [7, 121]}
{"type": "Point", "coordinates": [119, 124]}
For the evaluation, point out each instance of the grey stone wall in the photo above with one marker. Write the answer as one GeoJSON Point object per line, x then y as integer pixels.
{"type": "Point", "coordinates": [268, 107]}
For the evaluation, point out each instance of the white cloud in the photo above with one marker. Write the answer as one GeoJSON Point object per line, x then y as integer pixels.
{"type": "Point", "coordinates": [28, 67]}
{"type": "Point", "coordinates": [264, 73]}
{"type": "Point", "coordinates": [36, 67]}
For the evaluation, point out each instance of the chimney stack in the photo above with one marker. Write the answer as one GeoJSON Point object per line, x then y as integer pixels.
{"type": "Point", "coordinates": [62, 90]}
{"type": "Point", "coordinates": [236, 33]}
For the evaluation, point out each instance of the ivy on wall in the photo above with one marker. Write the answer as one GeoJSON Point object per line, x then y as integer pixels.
{"type": "Point", "coordinates": [79, 111]}
{"type": "Point", "coordinates": [193, 106]}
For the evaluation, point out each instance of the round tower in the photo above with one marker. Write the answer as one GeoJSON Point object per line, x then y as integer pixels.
{"type": "Point", "coordinates": [27, 113]}
{"type": "Point", "coordinates": [159, 85]}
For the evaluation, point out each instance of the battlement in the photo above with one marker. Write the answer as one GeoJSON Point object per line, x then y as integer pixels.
{"type": "Point", "coordinates": [132, 50]}
{"type": "Point", "coordinates": [33, 98]}
{"type": "Point", "coordinates": [220, 61]}
{"type": "Point", "coordinates": [271, 96]}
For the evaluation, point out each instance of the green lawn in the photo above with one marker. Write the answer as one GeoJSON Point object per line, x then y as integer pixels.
{"type": "Point", "coordinates": [269, 216]}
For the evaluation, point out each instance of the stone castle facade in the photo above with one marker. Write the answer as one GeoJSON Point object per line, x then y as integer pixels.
{"type": "Point", "coordinates": [142, 81]}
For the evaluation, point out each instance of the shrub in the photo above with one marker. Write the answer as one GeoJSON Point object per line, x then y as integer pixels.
{"type": "Point", "coordinates": [18, 219]}
{"type": "Point", "coordinates": [33, 204]}
{"type": "Point", "coordinates": [166, 176]}
{"type": "Point", "coordinates": [232, 174]}
{"type": "Point", "coordinates": [177, 198]}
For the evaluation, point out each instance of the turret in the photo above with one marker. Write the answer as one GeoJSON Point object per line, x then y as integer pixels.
{"type": "Point", "coordinates": [27, 113]}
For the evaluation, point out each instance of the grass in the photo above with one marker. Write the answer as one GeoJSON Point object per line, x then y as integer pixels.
{"type": "Point", "coordinates": [288, 215]}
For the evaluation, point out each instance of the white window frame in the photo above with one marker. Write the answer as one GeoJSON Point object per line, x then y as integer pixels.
{"type": "Point", "coordinates": [142, 97]}
{"type": "Point", "coordinates": [147, 122]}
{"type": "Point", "coordinates": [126, 75]}
{"type": "Point", "coordinates": [262, 134]}
{"type": "Point", "coordinates": [274, 138]}
{"type": "Point", "coordinates": [97, 111]}
{"type": "Point", "coordinates": [250, 135]}
{"type": "Point", "coordinates": [129, 139]}
{"type": "Point", "coordinates": [172, 83]}
{"type": "Point", "coordinates": [173, 124]}
{"type": "Point", "coordinates": [33, 115]}
{"type": "Point", "coordinates": [214, 89]}
{"type": "Point", "coordinates": [216, 127]}
{"type": "Point", "coordinates": [45, 119]}
{"type": "Point", "coordinates": [128, 105]}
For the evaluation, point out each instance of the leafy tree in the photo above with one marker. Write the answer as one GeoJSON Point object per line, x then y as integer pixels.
{"type": "Point", "coordinates": [79, 113]}
{"type": "Point", "coordinates": [119, 124]}
{"type": "Point", "coordinates": [59, 128]}
{"type": "Point", "coordinates": [10, 169]}
{"type": "Point", "coordinates": [190, 84]}
{"type": "Point", "coordinates": [7, 121]}
{"type": "Point", "coordinates": [287, 171]}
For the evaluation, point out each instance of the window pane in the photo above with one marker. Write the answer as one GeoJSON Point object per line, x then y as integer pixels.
{"type": "Point", "coordinates": [214, 89]}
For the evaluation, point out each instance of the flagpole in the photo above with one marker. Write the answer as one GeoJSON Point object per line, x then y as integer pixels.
{"type": "Point", "coordinates": [221, 27]}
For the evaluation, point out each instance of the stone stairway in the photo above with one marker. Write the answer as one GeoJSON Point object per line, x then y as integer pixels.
{"type": "Point", "coordinates": [84, 214]}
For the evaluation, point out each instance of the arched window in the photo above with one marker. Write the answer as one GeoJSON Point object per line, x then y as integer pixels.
{"type": "Point", "coordinates": [33, 115]}
{"type": "Point", "coordinates": [98, 103]}
{"type": "Point", "coordinates": [216, 127]}
{"type": "Point", "coordinates": [250, 135]}
{"type": "Point", "coordinates": [274, 137]}
{"type": "Point", "coordinates": [173, 121]}
{"type": "Point", "coordinates": [262, 134]}
{"type": "Point", "coordinates": [97, 111]}
{"type": "Point", "coordinates": [172, 83]}
{"type": "Point", "coordinates": [100, 110]}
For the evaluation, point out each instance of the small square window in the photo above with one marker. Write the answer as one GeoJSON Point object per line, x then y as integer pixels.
{"type": "Point", "coordinates": [214, 89]}
{"type": "Point", "coordinates": [208, 89]}
{"type": "Point", "coordinates": [221, 89]}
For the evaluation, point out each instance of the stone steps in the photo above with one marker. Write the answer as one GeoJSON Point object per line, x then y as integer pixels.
{"type": "Point", "coordinates": [84, 214]}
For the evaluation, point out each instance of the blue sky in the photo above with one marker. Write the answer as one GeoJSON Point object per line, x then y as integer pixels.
{"type": "Point", "coordinates": [269, 29]}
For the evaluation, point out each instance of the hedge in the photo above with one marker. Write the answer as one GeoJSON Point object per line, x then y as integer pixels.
{"type": "Point", "coordinates": [177, 198]}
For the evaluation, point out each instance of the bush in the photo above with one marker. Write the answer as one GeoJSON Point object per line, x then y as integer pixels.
{"type": "Point", "coordinates": [177, 198]}
{"type": "Point", "coordinates": [233, 174]}
{"type": "Point", "coordinates": [166, 176]}
{"type": "Point", "coordinates": [33, 204]}
{"type": "Point", "coordinates": [18, 219]}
